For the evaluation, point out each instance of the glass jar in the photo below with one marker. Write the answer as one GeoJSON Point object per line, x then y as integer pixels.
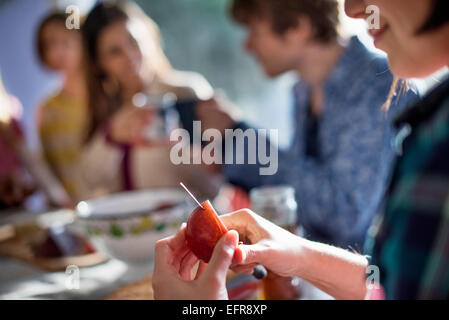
{"type": "Point", "coordinates": [278, 204]}
{"type": "Point", "coordinates": [166, 118]}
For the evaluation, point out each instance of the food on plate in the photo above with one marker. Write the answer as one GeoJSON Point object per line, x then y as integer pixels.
{"type": "Point", "coordinates": [58, 242]}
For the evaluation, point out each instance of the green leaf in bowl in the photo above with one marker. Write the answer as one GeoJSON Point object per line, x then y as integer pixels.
{"type": "Point", "coordinates": [116, 231]}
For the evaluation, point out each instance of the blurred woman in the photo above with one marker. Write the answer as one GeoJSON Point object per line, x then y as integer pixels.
{"type": "Point", "coordinates": [407, 244]}
{"type": "Point", "coordinates": [21, 172]}
{"type": "Point", "coordinates": [62, 119]}
{"type": "Point", "coordinates": [124, 60]}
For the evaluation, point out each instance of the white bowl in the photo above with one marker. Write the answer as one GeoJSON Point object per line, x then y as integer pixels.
{"type": "Point", "coordinates": [126, 225]}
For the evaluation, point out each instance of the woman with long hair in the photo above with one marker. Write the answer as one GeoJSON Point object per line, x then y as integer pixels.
{"type": "Point", "coordinates": [408, 243]}
{"type": "Point", "coordinates": [62, 116]}
{"type": "Point", "coordinates": [124, 60]}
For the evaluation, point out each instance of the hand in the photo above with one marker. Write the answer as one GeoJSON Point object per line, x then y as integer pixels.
{"type": "Point", "coordinates": [216, 113]}
{"type": "Point", "coordinates": [128, 125]}
{"type": "Point", "coordinates": [264, 243]}
{"type": "Point", "coordinates": [338, 272]}
{"type": "Point", "coordinates": [58, 198]}
{"type": "Point", "coordinates": [14, 190]}
{"type": "Point", "coordinates": [174, 262]}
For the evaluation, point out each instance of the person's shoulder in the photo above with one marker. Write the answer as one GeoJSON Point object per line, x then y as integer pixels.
{"type": "Point", "coordinates": [443, 112]}
{"type": "Point", "coordinates": [187, 85]}
{"type": "Point", "coordinates": [50, 102]}
{"type": "Point", "coordinates": [378, 62]}
{"type": "Point", "coordinates": [47, 108]}
{"type": "Point", "coordinates": [436, 103]}
{"type": "Point", "coordinates": [378, 68]}
{"type": "Point", "coordinates": [369, 71]}
{"type": "Point", "coordinates": [370, 63]}
{"type": "Point", "coordinates": [378, 77]}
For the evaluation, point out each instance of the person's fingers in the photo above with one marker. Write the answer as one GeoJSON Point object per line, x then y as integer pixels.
{"type": "Point", "coordinates": [222, 257]}
{"type": "Point", "coordinates": [241, 266]}
{"type": "Point", "coordinates": [143, 119]}
{"type": "Point", "coordinates": [238, 255]}
{"type": "Point", "coordinates": [148, 117]}
{"type": "Point", "coordinates": [186, 266]}
{"type": "Point", "coordinates": [136, 131]}
{"type": "Point", "coordinates": [250, 254]}
{"type": "Point", "coordinates": [177, 243]}
{"type": "Point", "coordinates": [251, 227]}
{"type": "Point", "coordinates": [165, 278]}
{"type": "Point", "coordinates": [201, 268]}
{"type": "Point", "coordinates": [130, 124]}
{"type": "Point", "coordinates": [140, 115]}
{"type": "Point", "coordinates": [163, 256]}
{"type": "Point", "coordinates": [238, 220]}
{"type": "Point", "coordinates": [179, 239]}
{"type": "Point", "coordinates": [244, 268]}
{"type": "Point", "coordinates": [178, 256]}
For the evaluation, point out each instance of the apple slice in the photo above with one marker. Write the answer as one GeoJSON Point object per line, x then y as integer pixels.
{"type": "Point", "coordinates": [204, 229]}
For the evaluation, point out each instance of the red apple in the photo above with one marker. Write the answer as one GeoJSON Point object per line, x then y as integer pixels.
{"type": "Point", "coordinates": [204, 229]}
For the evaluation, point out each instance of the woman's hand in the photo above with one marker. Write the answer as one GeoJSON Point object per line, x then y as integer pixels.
{"type": "Point", "coordinates": [264, 243]}
{"type": "Point", "coordinates": [217, 113]}
{"type": "Point", "coordinates": [174, 261]}
{"type": "Point", "coordinates": [128, 125]}
{"type": "Point", "coordinates": [337, 272]}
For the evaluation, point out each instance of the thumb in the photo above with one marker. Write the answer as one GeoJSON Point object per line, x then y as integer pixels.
{"type": "Point", "coordinates": [249, 254]}
{"type": "Point", "coordinates": [221, 259]}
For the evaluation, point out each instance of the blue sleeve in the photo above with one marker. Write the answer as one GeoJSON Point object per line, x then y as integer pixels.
{"type": "Point", "coordinates": [248, 176]}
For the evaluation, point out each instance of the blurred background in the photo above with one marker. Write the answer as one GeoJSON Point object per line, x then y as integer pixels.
{"type": "Point", "coordinates": [198, 35]}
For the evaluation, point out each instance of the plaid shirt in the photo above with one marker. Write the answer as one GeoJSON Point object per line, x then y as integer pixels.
{"type": "Point", "coordinates": [410, 242]}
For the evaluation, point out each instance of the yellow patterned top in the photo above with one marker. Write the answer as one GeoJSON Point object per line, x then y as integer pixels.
{"type": "Point", "coordinates": [62, 126]}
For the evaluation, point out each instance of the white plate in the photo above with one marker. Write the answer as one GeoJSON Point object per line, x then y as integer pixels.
{"type": "Point", "coordinates": [128, 204]}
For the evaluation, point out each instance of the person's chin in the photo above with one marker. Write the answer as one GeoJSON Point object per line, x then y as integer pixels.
{"type": "Point", "coordinates": [272, 73]}
{"type": "Point", "coordinates": [403, 67]}
{"type": "Point", "coordinates": [409, 69]}
{"type": "Point", "coordinates": [395, 58]}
